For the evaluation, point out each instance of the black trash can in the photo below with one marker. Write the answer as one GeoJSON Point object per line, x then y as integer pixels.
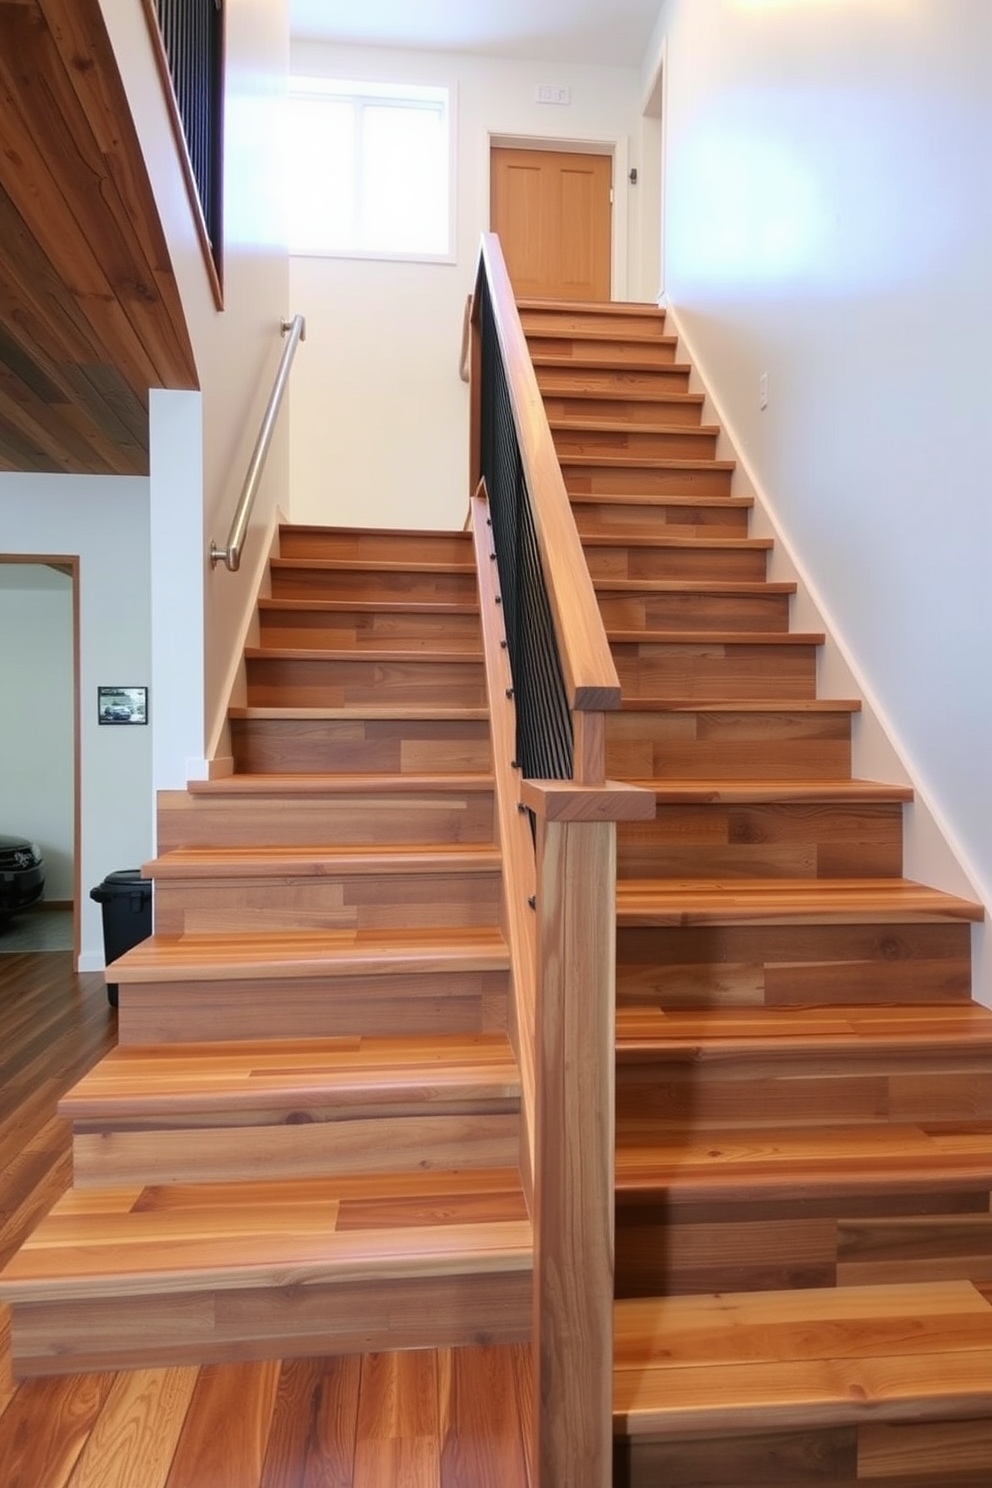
{"type": "Point", "coordinates": [126, 899]}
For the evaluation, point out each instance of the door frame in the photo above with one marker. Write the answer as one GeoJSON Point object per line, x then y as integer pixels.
{"type": "Point", "coordinates": [69, 564]}
{"type": "Point", "coordinates": [618, 152]}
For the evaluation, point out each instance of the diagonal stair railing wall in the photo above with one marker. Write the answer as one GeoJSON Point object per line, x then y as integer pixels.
{"type": "Point", "coordinates": [551, 680]}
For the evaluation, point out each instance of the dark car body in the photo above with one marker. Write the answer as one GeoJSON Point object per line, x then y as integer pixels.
{"type": "Point", "coordinates": [22, 875]}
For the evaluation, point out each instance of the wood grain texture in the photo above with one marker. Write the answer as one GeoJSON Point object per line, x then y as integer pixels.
{"type": "Point", "coordinates": [90, 314]}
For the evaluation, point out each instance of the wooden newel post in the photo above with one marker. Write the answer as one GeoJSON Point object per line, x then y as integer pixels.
{"type": "Point", "coordinates": [574, 1139]}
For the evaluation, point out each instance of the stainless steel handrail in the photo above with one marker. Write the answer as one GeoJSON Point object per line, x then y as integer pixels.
{"type": "Point", "coordinates": [231, 555]}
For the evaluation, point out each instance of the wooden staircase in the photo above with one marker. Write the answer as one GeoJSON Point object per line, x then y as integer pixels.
{"type": "Point", "coordinates": [308, 1139]}
{"type": "Point", "coordinates": [804, 1087]}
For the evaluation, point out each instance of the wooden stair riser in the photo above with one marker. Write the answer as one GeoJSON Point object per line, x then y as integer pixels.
{"type": "Point", "coordinates": [284, 682]}
{"type": "Point", "coordinates": [603, 351]}
{"type": "Point", "coordinates": [864, 1235]}
{"type": "Point", "coordinates": [702, 609]}
{"type": "Point", "coordinates": [639, 321]}
{"type": "Point", "coordinates": [715, 670]}
{"type": "Point", "coordinates": [369, 545]}
{"type": "Point", "coordinates": [562, 375]}
{"type": "Point", "coordinates": [584, 476]}
{"type": "Point", "coordinates": [154, 1330]}
{"type": "Point", "coordinates": [755, 840]}
{"type": "Point", "coordinates": [353, 745]}
{"type": "Point", "coordinates": [695, 744]}
{"type": "Point", "coordinates": [613, 516]}
{"type": "Point", "coordinates": [951, 1453]}
{"type": "Point", "coordinates": [327, 901]}
{"type": "Point", "coordinates": [204, 1010]}
{"type": "Point", "coordinates": [369, 584]}
{"type": "Point", "coordinates": [614, 561]}
{"type": "Point", "coordinates": [364, 816]}
{"type": "Point", "coordinates": [783, 965]}
{"type": "Point", "coordinates": [313, 1142]}
{"type": "Point", "coordinates": [369, 630]}
{"type": "Point", "coordinates": [676, 443]}
{"type": "Point", "coordinates": [621, 407]}
{"type": "Point", "coordinates": [792, 1089]}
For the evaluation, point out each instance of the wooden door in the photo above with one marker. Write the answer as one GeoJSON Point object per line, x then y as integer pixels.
{"type": "Point", "coordinates": [553, 214]}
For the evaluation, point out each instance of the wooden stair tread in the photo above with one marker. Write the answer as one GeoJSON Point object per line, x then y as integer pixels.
{"type": "Point", "coordinates": [353, 1071]}
{"type": "Point", "coordinates": [315, 784]}
{"type": "Point", "coordinates": [311, 953]}
{"type": "Point", "coordinates": [649, 499]}
{"type": "Point", "coordinates": [620, 426]}
{"type": "Point", "coordinates": [251, 862]}
{"type": "Point", "coordinates": [802, 1358]}
{"type": "Point", "coordinates": [359, 714]}
{"type": "Point", "coordinates": [740, 705]}
{"type": "Point", "coordinates": [703, 792]}
{"type": "Point", "coordinates": [619, 394]}
{"type": "Point", "coordinates": [371, 606]}
{"type": "Point", "coordinates": [593, 307]}
{"type": "Point", "coordinates": [848, 1032]}
{"type": "Point", "coordinates": [363, 657]}
{"type": "Point", "coordinates": [372, 565]}
{"type": "Point", "coordinates": [786, 901]}
{"type": "Point", "coordinates": [600, 363]}
{"type": "Point", "coordinates": [734, 588]}
{"type": "Point", "coordinates": [292, 1233]}
{"type": "Point", "coordinates": [637, 462]}
{"type": "Point", "coordinates": [629, 335]}
{"type": "Point", "coordinates": [714, 637]}
{"type": "Point", "coordinates": [754, 1163]}
{"type": "Point", "coordinates": [659, 540]}
{"type": "Point", "coordinates": [323, 529]}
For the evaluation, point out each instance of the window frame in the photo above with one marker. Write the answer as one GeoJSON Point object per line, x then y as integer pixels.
{"type": "Point", "coordinates": [362, 92]}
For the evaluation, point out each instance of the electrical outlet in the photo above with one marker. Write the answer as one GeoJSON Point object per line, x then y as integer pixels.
{"type": "Point", "coordinates": [763, 390]}
{"type": "Point", "coordinates": [547, 93]}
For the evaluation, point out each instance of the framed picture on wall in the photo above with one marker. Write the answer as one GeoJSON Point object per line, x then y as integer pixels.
{"type": "Point", "coordinates": [122, 704]}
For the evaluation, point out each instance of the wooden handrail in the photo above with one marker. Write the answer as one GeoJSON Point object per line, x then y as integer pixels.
{"type": "Point", "coordinates": [587, 665]}
{"type": "Point", "coordinates": [465, 357]}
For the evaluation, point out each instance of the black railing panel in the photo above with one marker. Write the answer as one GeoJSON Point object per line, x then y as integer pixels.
{"type": "Point", "coordinates": [193, 38]}
{"type": "Point", "coordinates": [544, 721]}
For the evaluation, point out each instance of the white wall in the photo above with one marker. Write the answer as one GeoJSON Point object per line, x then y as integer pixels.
{"type": "Point", "coordinates": [379, 416]}
{"type": "Point", "coordinates": [36, 741]}
{"type": "Point", "coordinates": [829, 222]}
{"type": "Point", "coordinates": [104, 521]}
{"type": "Point", "coordinates": [236, 350]}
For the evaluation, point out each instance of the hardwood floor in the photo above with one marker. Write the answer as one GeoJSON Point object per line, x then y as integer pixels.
{"type": "Point", "coordinates": [438, 1418]}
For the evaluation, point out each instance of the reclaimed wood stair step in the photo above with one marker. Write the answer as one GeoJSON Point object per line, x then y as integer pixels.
{"type": "Point", "coordinates": [373, 565]}
{"type": "Point", "coordinates": [668, 604]}
{"type": "Point", "coordinates": [201, 1273]}
{"type": "Point", "coordinates": [620, 474]}
{"type": "Point", "coordinates": [562, 399]}
{"type": "Point", "coordinates": [664, 441]}
{"type": "Point", "coordinates": [762, 1067]}
{"type": "Point", "coordinates": [704, 792]}
{"type": "Point", "coordinates": [671, 514]}
{"type": "Point", "coordinates": [788, 901]}
{"type": "Point", "coordinates": [371, 579]}
{"type": "Point", "coordinates": [623, 309]}
{"type": "Point", "coordinates": [735, 666]}
{"type": "Point", "coordinates": [699, 1367]}
{"type": "Point", "coordinates": [733, 589]}
{"type": "Point", "coordinates": [295, 1109]}
{"type": "Point", "coordinates": [696, 738]}
{"type": "Point", "coordinates": [317, 862]}
{"type": "Point", "coordinates": [717, 638]}
{"type": "Point", "coordinates": [303, 954]}
{"type": "Point", "coordinates": [752, 1164]}
{"type": "Point", "coordinates": [289, 1075]}
{"type": "Point", "coordinates": [565, 373]}
{"type": "Point", "coordinates": [392, 741]}
{"type": "Point", "coordinates": [315, 811]}
{"type": "Point", "coordinates": [414, 544]}
{"type": "Point", "coordinates": [287, 679]}
{"type": "Point", "coordinates": [346, 655]}
{"type": "Point", "coordinates": [363, 626]}
{"type": "Point", "coordinates": [212, 890]}
{"type": "Point", "coordinates": [607, 348]}
{"type": "Point", "coordinates": [597, 330]}
{"type": "Point", "coordinates": [846, 1033]}
{"type": "Point", "coordinates": [316, 783]}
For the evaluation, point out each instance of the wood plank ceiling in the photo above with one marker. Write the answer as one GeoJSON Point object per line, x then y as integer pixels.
{"type": "Point", "coordinates": [90, 312]}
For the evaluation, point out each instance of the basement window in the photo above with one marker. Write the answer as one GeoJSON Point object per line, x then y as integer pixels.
{"type": "Point", "coordinates": [370, 169]}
